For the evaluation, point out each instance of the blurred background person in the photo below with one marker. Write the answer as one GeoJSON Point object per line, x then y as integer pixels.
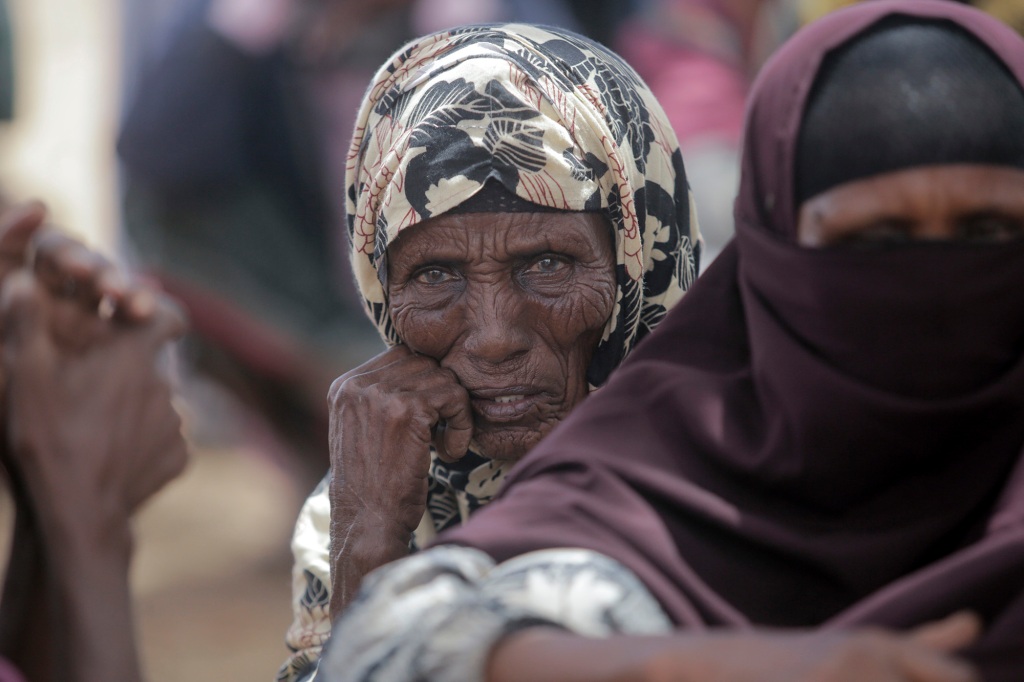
{"type": "Point", "coordinates": [211, 566]}
{"type": "Point", "coordinates": [699, 58]}
{"type": "Point", "coordinates": [228, 193]}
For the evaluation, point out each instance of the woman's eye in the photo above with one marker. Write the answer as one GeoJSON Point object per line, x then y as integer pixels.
{"type": "Point", "coordinates": [880, 233]}
{"type": "Point", "coordinates": [433, 276]}
{"type": "Point", "coordinates": [547, 265]}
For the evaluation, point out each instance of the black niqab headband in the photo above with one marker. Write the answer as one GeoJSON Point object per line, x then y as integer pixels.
{"type": "Point", "coordinates": [877, 106]}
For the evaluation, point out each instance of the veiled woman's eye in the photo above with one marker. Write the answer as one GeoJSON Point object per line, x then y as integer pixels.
{"type": "Point", "coordinates": [433, 276]}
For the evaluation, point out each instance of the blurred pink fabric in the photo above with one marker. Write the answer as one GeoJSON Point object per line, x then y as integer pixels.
{"type": "Point", "coordinates": [8, 673]}
{"type": "Point", "coordinates": [699, 58]}
{"type": "Point", "coordinates": [702, 93]}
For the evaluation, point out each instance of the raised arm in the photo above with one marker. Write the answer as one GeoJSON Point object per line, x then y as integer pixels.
{"type": "Point", "coordinates": [384, 416]}
{"type": "Point", "coordinates": [90, 434]}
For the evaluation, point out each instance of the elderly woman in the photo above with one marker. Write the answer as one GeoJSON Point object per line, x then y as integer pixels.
{"type": "Point", "coordinates": [818, 453]}
{"type": "Point", "coordinates": [519, 219]}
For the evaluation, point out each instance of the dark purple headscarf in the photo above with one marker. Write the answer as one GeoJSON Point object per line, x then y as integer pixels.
{"type": "Point", "coordinates": [813, 437]}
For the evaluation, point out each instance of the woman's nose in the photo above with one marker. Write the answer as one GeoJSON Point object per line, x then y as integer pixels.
{"type": "Point", "coordinates": [498, 330]}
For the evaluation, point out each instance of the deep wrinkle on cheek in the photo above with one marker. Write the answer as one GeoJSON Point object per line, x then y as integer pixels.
{"type": "Point", "coordinates": [424, 329]}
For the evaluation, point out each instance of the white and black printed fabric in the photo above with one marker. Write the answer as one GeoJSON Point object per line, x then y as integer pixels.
{"type": "Point", "coordinates": [435, 616]}
{"type": "Point", "coordinates": [560, 122]}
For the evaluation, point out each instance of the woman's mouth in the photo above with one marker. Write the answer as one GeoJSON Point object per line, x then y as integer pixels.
{"type": "Point", "coordinates": [504, 405]}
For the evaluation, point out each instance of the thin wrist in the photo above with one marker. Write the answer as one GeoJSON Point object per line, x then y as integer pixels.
{"type": "Point", "coordinates": [377, 512]}
{"type": "Point", "coordinates": [358, 548]}
{"type": "Point", "coordinates": [370, 535]}
{"type": "Point", "coordinates": [70, 539]}
{"type": "Point", "coordinates": [96, 605]}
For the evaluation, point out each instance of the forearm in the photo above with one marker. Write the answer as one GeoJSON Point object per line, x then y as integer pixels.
{"type": "Point", "coordinates": [926, 653]}
{"type": "Point", "coordinates": [189, 124]}
{"type": "Point", "coordinates": [541, 654]}
{"type": "Point", "coordinates": [360, 543]}
{"type": "Point", "coordinates": [26, 632]}
{"type": "Point", "coordinates": [437, 614]}
{"type": "Point", "coordinates": [92, 602]}
{"type": "Point", "coordinates": [66, 612]}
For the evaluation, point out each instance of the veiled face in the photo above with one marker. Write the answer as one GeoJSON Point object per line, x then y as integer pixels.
{"type": "Point", "coordinates": [978, 203]}
{"type": "Point", "coordinates": [514, 304]}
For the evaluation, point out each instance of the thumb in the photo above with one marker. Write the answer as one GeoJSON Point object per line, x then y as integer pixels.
{"type": "Point", "coordinates": [17, 225]}
{"type": "Point", "coordinates": [949, 634]}
{"type": "Point", "coordinates": [452, 438]}
{"type": "Point", "coordinates": [23, 312]}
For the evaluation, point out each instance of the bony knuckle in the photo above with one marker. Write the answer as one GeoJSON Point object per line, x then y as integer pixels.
{"type": "Point", "coordinates": [345, 388]}
{"type": "Point", "coordinates": [451, 375]}
{"type": "Point", "coordinates": [337, 386]}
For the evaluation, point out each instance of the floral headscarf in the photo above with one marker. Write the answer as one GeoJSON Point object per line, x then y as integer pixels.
{"type": "Point", "coordinates": [560, 122]}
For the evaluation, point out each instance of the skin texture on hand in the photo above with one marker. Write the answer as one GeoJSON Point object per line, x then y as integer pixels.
{"type": "Point", "coordinates": [500, 314]}
{"type": "Point", "coordinates": [921, 655]}
{"type": "Point", "coordinates": [383, 418]}
{"type": "Point", "coordinates": [91, 424]}
{"type": "Point", "coordinates": [90, 434]}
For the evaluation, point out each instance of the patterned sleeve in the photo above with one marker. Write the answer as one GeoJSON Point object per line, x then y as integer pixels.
{"type": "Point", "coordinates": [311, 595]}
{"type": "Point", "coordinates": [436, 615]}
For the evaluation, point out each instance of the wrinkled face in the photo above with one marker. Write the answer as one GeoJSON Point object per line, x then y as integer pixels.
{"type": "Point", "coordinates": [514, 304]}
{"type": "Point", "coordinates": [967, 202]}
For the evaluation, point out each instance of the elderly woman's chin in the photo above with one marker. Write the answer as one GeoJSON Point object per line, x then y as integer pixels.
{"type": "Point", "coordinates": [507, 443]}
{"type": "Point", "coordinates": [514, 407]}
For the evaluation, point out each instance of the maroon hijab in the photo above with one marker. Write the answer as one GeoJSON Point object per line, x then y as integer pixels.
{"type": "Point", "coordinates": [822, 437]}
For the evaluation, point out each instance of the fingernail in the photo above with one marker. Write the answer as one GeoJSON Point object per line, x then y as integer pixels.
{"type": "Point", "coordinates": [106, 308]}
